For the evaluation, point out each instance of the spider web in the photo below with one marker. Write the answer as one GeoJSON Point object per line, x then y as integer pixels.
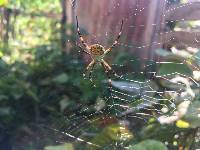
{"type": "Point", "coordinates": [133, 99]}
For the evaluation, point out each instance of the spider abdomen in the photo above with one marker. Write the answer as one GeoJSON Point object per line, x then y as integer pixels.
{"type": "Point", "coordinates": [97, 49]}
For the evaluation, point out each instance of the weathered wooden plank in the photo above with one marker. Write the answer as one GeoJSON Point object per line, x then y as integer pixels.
{"type": "Point", "coordinates": [188, 11]}
{"type": "Point", "coordinates": [154, 17]}
{"type": "Point", "coordinates": [190, 39]}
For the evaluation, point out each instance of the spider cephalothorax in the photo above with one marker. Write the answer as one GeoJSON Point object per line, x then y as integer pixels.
{"type": "Point", "coordinates": [97, 49]}
{"type": "Point", "coordinates": [97, 53]}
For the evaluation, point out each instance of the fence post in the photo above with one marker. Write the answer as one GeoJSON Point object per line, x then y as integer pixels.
{"type": "Point", "coordinates": [155, 25]}
{"type": "Point", "coordinates": [4, 24]}
{"type": "Point", "coordinates": [66, 21]}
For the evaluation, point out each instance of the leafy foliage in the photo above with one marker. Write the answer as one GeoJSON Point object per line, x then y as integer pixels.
{"type": "Point", "coordinates": [41, 86]}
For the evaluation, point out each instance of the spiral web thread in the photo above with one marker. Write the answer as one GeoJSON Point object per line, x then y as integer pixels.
{"type": "Point", "coordinates": [126, 91]}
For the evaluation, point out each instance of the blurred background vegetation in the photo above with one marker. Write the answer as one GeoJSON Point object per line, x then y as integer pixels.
{"type": "Point", "coordinates": [43, 94]}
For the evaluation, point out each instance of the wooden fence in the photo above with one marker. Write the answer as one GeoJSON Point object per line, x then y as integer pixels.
{"type": "Point", "coordinates": [102, 19]}
{"type": "Point", "coordinates": [145, 23]}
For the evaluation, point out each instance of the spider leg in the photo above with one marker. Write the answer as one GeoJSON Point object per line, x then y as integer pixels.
{"type": "Point", "coordinates": [80, 35]}
{"type": "Point", "coordinates": [110, 68]}
{"type": "Point", "coordinates": [117, 39]}
{"type": "Point", "coordinates": [88, 67]}
{"type": "Point", "coordinates": [84, 50]}
{"type": "Point", "coordinates": [107, 74]}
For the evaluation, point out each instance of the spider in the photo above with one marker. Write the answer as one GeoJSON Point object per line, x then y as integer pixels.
{"type": "Point", "coordinates": [97, 53]}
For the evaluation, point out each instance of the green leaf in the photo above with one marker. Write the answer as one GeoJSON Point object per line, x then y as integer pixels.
{"type": "Point", "coordinates": [169, 68]}
{"type": "Point", "coordinates": [64, 103]}
{"type": "Point", "coordinates": [4, 111]}
{"type": "Point", "coordinates": [66, 146]}
{"type": "Point", "coordinates": [61, 78]}
{"type": "Point", "coordinates": [197, 57]}
{"type": "Point", "coordinates": [149, 145]}
{"type": "Point", "coordinates": [3, 97]}
{"type": "Point", "coordinates": [114, 132]}
{"type": "Point", "coordinates": [193, 114]}
{"type": "Point", "coordinates": [175, 64]}
{"type": "Point", "coordinates": [1, 54]}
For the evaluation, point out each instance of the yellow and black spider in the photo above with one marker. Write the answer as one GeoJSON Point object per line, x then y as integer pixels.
{"type": "Point", "coordinates": [97, 53]}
